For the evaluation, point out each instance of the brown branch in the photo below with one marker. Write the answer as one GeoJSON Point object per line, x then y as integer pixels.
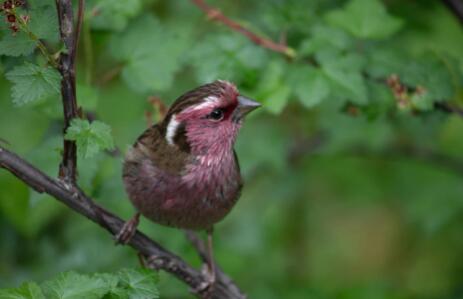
{"type": "Point", "coordinates": [456, 7]}
{"type": "Point", "coordinates": [68, 166]}
{"type": "Point", "coordinates": [216, 15]}
{"type": "Point", "coordinates": [76, 199]}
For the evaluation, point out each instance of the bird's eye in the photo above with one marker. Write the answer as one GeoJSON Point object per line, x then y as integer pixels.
{"type": "Point", "coordinates": [217, 114]}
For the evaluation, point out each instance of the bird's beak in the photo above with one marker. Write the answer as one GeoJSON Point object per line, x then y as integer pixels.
{"type": "Point", "coordinates": [245, 106]}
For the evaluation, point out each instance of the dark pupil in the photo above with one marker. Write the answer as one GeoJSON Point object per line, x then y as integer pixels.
{"type": "Point", "coordinates": [216, 114]}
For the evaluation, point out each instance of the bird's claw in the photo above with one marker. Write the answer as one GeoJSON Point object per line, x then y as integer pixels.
{"type": "Point", "coordinates": [128, 230]}
{"type": "Point", "coordinates": [206, 288]}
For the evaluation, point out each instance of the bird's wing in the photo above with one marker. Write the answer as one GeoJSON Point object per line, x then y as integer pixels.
{"type": "Point", "coordinates": [153, 146]}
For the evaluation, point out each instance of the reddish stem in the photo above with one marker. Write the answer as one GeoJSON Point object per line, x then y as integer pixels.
{"type": "Point", "coordinates": [216, 15]}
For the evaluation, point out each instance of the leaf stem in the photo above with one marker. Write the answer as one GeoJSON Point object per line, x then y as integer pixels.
{"type": "Point", "coordinates": [32, 36]}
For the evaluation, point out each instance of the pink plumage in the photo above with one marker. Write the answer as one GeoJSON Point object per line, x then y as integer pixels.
{"type": "Point", "coordinates": [183, 172]}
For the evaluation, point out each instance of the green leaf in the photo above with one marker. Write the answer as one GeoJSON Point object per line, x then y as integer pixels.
{"type": "Point", "coordinates": [32, 82]}
{"type": "Point", "coordinates": [309, 84]}
{"type": "Point", "coordinates": [324, 38]}
{"type": "Point", "coordinates": [431, 74]}
{"type": "Point", "coordinates": [139, 283]}
{"type": "Point", "coordinates": [17, 45]}
{"type": "Point", "coordinates": [71, 285]}
{"type": "Point", "coordinates": [112, 15]}
{"type": "Point", "coordinates": [422, 101]}
{"type": "Point", "coordinates": [273, 89]}
{"type": "Point", "coordinates": [90, 138]}
{"type": "Point", "coordinates": [44, 21]}
{"type": "Point", "coordinates": [150, 61]}
{"type": "Point", "coordinates": [276, 101]}
{"type": "Point", "coordinates": [365, 19]}
{"type": "Point", "coordinates": [346, 75]}
{"type": "Point", "coordinates": [28, 290]}
{"type": "Point", "coordinates": [234, 57]}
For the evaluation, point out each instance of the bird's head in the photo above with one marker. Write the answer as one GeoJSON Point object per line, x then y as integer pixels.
{"type": "Point", "coordinates": [206, 120]}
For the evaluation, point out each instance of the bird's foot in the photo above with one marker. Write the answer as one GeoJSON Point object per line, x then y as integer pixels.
{"type": "Point", "coordinates": [206, 288]}
{"type": "Point", "coordinates": [128, 230]}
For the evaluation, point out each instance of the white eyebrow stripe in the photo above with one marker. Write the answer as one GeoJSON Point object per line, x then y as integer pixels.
{"type": "Point", "coordinates": [208, 102]}
{"type": "Point", "coordinates": [172, 129]}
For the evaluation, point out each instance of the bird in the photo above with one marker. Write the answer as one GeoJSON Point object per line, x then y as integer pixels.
{"type": "Point", "coordinates": [183, 172]}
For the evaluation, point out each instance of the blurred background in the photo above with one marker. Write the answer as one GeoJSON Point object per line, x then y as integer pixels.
{"type": "Point", "coordinates": [353, 186]}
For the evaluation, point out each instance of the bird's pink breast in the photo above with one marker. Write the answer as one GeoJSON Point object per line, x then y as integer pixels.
{"type": "Point", "coordinates": [201, 196]}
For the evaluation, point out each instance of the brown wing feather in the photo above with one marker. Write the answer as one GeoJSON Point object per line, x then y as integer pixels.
{"type": "Point", "coordinates": [153, 146]}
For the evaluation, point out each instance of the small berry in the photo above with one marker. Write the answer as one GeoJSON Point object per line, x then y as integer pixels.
{"type": "Point", "coordinates": [7, 4]}
{"type": "Point", "coordinates": [14, 28]}
{"type": "Point", "coordinates": [11, 18]}
{"type": "Point", "coordinates": [18, 3]}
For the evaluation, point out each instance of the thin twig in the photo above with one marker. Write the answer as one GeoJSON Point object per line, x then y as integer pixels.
{"type": "Point", "coordinates": [216, 15]}
{"type": "Point", "coordinates": [198, 244]}
{"type": "Point", "coordinates": [78, 201]}
{"type": "Point", "coordinates": [448, 108]}
{"type": "Point", "coordinates": [78, 29]}
{"type": "Point", "coordinates": [68, 166]}
{"type": "Point", "coordinates": [88, 53]}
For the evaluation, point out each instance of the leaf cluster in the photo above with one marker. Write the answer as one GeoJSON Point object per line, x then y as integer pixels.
{"type": "Point", "coordinates": [125, 284]}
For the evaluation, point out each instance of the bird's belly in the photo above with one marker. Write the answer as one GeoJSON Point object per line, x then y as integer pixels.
{"type": "Point", "coordinates": [187, 210]}
{"type": "Point", "coordinates": [172, 202]}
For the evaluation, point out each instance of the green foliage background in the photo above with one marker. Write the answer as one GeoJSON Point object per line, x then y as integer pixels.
{"type": "Point", "coordinates": [347, 195]}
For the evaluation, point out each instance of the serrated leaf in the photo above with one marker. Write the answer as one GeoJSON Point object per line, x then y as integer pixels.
{"type": "Point", "coordinates": [28, 290]}
{"type": "Point", "coordinates": [352, 82]}
{"type": "Point", "coordinates": [150, 61]}
{"type": "Point", "coordinates": [71, 285]}
{"type": "Point", "coordinates": [17, 45]}
{"type": "Point", "coordinates": [90, 138]}
{"type": "Point", "coordinates": [32, 82]}
{"type": "Point", "coordinates": [346, 74]}
{"type": "Point", "coordinates": [139, 283]}
{"type": "Point", "coordinates": [44, 21]}
{"type": "Point", "coordinates": [365, 19]}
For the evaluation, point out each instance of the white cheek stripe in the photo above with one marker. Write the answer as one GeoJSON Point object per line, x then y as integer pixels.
{"type": "Point", "coordinates": [172, 129]}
